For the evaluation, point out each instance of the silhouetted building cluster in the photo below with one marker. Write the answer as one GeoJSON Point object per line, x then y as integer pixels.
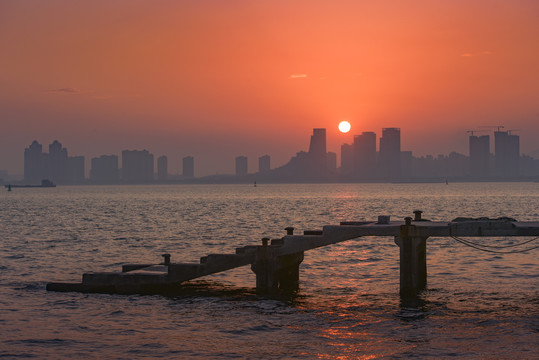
{"type": "Point", "coordinates": [360, 161]}
{"type": "Point", "coordinates": [55, 165]}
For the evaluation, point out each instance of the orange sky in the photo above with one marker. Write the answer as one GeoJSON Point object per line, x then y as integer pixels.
{"type": "Point", "coordinates": [217, 79]}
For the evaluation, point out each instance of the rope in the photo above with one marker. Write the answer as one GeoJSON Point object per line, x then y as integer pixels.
{"type": "Point", "coordinates": [480, 247]}
{"type": "Point", "coordinates": [495, 246]}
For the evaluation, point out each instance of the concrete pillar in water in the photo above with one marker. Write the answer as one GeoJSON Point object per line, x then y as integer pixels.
{"type": "Point", "coordinates": [413, 260]}
{"type": "Point", "coordinates": [273, 272]}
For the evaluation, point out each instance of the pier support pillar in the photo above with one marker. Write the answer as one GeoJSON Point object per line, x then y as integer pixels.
{"type": "Point", "coordinates": [276, 272]}
{"type": "Point", "coordinates": [413, 261]}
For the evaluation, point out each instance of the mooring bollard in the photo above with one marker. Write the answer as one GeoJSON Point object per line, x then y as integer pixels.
{"type": "Point", "coordinates": [166, 259]}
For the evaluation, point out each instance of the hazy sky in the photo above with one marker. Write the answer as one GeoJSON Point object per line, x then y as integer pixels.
{"type": "Point", "coordinates": [217, 79]}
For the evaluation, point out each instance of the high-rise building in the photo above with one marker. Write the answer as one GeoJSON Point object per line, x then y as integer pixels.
{"type": "Point", "coordinates": [33, 163]}
{"type": "Point", "coordinates": [264, 164]}
{"type": "Point", "coordinates": [105, 170]}
{"type": "Point", "coordinates": [506, 154]}
{"type": "Point", "coordinates": [57, 162]}
{"type": "Point", "coordinates": [479, 155]}
{"type": "Point", "coordinates": [241, 165]}
{"type": "Point", "coordinates": [390, 153]}
{"type": "Point", "coordinates": [137, 166]}
{"type": "Point", "coordinates": [162, 168]}
{"type": "Point", "coordinates": [347, 159]}
{"type": "Point", "coordinates": [331, 159]}
{"type": "Point", "coordinates": [75, 169]}
{"type": "Point", "coordinates": [406, 164]}
{"type": "Point", "coordinates": [317, 148]}
{"type": "Point", "coordinates": [364, 149]}
{"type": "Point", "coordinates": [188, 167]}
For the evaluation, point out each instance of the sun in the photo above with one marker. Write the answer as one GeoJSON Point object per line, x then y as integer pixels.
{"type": "Point", "coordinates": [344, 126]}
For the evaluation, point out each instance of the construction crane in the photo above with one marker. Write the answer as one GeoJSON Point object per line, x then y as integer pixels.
{"type": "Point", "coordinates": [474, 131]}
{"type": "Point", "coordinates": [495, 126]}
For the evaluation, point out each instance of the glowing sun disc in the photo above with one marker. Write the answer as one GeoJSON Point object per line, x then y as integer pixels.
{"type": "Point", "coordinates": [344, 126]}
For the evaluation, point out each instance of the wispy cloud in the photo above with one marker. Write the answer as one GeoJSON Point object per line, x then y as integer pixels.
{"type": "Point", "coordinates": [480, 53]}
{"type": "Point", "coordinates": [67, 90]}
{"type": "Point", "coordinates": [298, 76]}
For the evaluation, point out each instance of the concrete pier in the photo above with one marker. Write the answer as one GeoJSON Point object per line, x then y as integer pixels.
{"type": "Point", "coordinates": [274, 271]}
{"type": "Point", "coordinates": [276, 263]}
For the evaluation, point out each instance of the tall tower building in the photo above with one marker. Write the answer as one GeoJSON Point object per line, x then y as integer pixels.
{"type": "Point", "coordinates": [75, 169]}
{"type": "Point", "coordinates": [264, 165]}
{"type": "Point", "coordinates": [364, 149]}
{"type": "Point", "coordinates": [331, 159]}
{"type": "Point", "coordinates": [347, 159]}
{"type": "Point", "coordinates": [33, 163]}
{"type": "Point", "coordinates": [241, 165]}
{"type": "Point", "coordinates": [137, 166]}
{"type": "Point", "coordinates": [390, 153]}
{"type": "Point", "coordinates": [57, 162]}
{"type": "Point", "coordinates": [317, 147]}
{"type": "Point", "coordinates": [188, 167]}
{"type": "Point", "coordinates": [162, 168]}
{"type": "Point", "coordinates": [479, 155]}
{"type": "Point", "coordinates": [506, 154]}
{"type": "Point", "coordinates": [105, 170]}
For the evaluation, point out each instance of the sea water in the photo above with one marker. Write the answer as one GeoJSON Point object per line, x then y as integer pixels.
{"type": "Point", "coordinates": [477, 305]}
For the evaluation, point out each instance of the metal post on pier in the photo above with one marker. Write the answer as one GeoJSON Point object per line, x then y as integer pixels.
{"type": "Point", "coordinates": [413, 260]}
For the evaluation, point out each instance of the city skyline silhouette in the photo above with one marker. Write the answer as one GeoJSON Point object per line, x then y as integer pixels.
{"type": "Point", "coordinates": [367, 158]}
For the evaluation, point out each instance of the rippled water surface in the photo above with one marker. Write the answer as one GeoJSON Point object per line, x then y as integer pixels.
{"type": "Point", "coordinates": [478, 305]}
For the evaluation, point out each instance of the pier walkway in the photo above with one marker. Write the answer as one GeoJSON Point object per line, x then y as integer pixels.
{"type": "Point", "coordinates": [276, 262]}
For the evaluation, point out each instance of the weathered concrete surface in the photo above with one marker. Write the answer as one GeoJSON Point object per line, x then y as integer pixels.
{"type": "Point", "coordinates": [142, 278]}
{"type": "Point", "coordinates": [276, 262]}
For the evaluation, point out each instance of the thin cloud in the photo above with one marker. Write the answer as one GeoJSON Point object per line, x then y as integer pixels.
{"type": "Point", "coordinates": [67, 90]}
{"type": "Point", "coordinates": [480, 53]}
{"type": "Point", "coordinates": [298, 76]}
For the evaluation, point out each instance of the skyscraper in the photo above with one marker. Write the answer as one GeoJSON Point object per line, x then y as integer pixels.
{"type": "Point", "coordinates": [479, 155]}
{"type": "Point", "coordinates": [317, 149]}
{"type": "Point", "coordinates": [188, 167]}
{"type": "Point", "coordinates": [364, 149]}
{"type": "Point", "coordinates": [57, 162]}
{"type": "Point", "coordinates": [162, 168]}
{"type": "Point", "coordinates": [347, 159]}
{"type": "Point", "coordinates": [137, 166]}
{"type": "Point", "coordinates": [390, 153]}
{"type": "Point", "coordinates": [506, 154]}
{"type": "Point", "coordinates": [33, 163]}
{"type": "Point", "coordinates": [264, 165]}
{"type": "Point", "coordinates": [331, 160]}
{"type": "Point", "coordinates": [241, 165]}
{"type": "Point", "coordinates": [105, 170]}
{"type": "Point", "coordinates": [75, 169]}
